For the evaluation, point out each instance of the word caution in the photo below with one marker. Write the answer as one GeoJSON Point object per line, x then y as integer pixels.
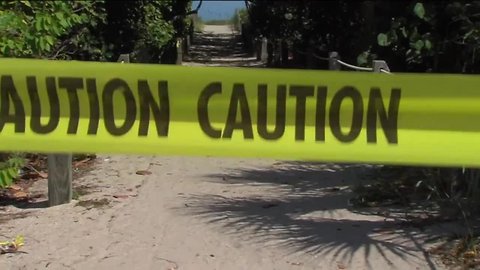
{"type": "Point", "coordinates": [375, 109]}
{"type": "Point", "coordinates": [153, 102]}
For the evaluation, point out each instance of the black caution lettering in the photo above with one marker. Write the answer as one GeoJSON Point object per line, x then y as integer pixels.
{"type": "Point", "coordinates": [72, 85]}
{"type": "Point", "coordinates": [320, 113]}
{"type": "Point", "coordinates": [161, 112]}
{"type": "Point", "coordinates": [357, 117]}
{"type": "Point", "coordinates": [279, 115]}
{"type": "Point", "coordinates": [202, 109]}
{"type": "Point", "coordinates": [301, 93]}
{"type": "Point", "coordinates": [110, 87]}
{"type": "Point", "coordinates": [54, 115]}
{"type": "Point", "coordinates": [238, 100]}
{"type": "Point", "coordinates": [94, 107]}
{"type": "Point", "coordinates": [388, 121]}
{"type": "Point", "coordinates": [9, 92]}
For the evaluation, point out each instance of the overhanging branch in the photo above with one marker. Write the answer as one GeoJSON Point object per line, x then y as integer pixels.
{"type": "Point", "coordinates": [195, 11]}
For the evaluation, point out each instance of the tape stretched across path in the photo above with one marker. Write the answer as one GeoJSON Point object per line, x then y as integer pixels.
{"type": "Point", "coordinates": [417, 119]}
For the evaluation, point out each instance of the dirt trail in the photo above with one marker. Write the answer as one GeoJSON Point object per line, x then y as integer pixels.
{"type": "Point", "coordinates": [219, 45]}
{"type": "Point", "coordinates": [209, 213]}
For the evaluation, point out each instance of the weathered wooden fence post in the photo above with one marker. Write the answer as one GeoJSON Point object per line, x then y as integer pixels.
{"type": "Point", "coordinates": [258, 48]}
{"type": "Point", "coordinates": [179, 51]}
{"type": "Point", "coordinates": [124, 58]}
{"type": "Point", "coordinates": [332, 62]}
{"type": "Point", "coordinates": [264, 50]}
{"type": "Point", "coordinates": [59, 179]}
{"type": "Point", "coordinates": [379, 65]}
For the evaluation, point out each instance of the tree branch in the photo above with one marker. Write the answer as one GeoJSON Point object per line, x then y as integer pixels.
{"type": "Point", "coordinates": [195, 11]}
{"type": "Point", "coordinates": [58, 52]}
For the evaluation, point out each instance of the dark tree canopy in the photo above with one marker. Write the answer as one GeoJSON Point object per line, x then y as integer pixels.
{"type": "Point", "coordinates": [436, 36]}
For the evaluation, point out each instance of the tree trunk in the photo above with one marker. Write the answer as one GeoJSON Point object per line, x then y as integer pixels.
{"type": "Point", "coordinates": [368, 35]}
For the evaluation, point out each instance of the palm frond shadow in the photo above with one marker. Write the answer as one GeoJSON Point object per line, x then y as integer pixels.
{"type": "Point", "coordinates": [307, 214]}
{"type": "Point", "coordinates": [298, 177]}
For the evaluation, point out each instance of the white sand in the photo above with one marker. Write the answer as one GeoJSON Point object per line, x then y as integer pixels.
{"type": "Point", "coordinates": [206, 213]}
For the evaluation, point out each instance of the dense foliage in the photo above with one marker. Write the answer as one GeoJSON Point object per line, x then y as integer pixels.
{"type": "Point", "coordinates": [149, 29]}
{"type": "Point", "coordinates": [92, 30]}
{"type": "Point", "coordinates": [51, 29]}
{"type": "Point", "coordinates": [437, 36]}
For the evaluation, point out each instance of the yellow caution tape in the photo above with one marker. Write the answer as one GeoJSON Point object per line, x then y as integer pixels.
{"type": "Point", "coordinates": [417, 119]}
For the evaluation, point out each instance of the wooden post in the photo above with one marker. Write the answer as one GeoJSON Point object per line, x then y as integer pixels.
{"type": "Point", "coordinates": [59, 179]}
{"type": "Point", "coordinates": [264, 50]}
{"type": "Point", "coordinates": [124, 58]}
{"type": "Point", "coordinates": [332, 62]}
{"type": "Point", "coordinates": [258, 49]}
{"type": "Point", "coordinates": [179, 51]}
{"type": "Point", "coordinates": [379, 65]}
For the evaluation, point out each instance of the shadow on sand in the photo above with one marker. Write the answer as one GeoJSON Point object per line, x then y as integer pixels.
{"type": "Point", "coordinates": [220, 50]}
{"type": "Point", "coordinates": [310, 212]}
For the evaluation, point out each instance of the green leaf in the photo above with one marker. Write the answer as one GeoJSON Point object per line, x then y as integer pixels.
{"type": "Point", "coordinates": [46, 22]}
{"type": "Point", "coordinates": [7, 175]}
{"type": "Point", "coordinates": [26, 3]}
{"type": "Point", "coordinates": [382, 40]}
{"type": "Point", "coordinates": [49, 40]}
{"type": "Point", "coordinates": [419, 10]}
{"type": "Point", "coordinates": [56, 30]}
{"type": "Point", "coordinates": [59, 16]}
{"type": "Point", "coordinates": [16, 160]}
{"type": "Point", "coordinates": [38, 23]}
{"type": "Point", "coordinates": [362, 59]}
{"type": "Point", "coordinates": [428, 44]}
{"type": "Point", "coordinates": [41, 43]}
{"type": "Point", "coordinates": [75, 18]}
{"type": "Point", "coordinates": [64, 23]}
{"type": "Point", "coordinates": [19, 47]}
{"type": "Point", "coordinates": [419, 45]}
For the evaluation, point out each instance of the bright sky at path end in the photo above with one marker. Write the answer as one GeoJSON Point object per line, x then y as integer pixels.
{"type": "Point", "coordinates": [218, 10]}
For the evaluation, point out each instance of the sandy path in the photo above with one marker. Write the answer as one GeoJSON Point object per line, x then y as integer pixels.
{"type": "Point", "coordinates": [208, 213]}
